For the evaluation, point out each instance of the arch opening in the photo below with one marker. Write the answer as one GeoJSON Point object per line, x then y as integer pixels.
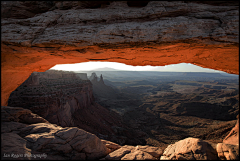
{"type": "Point", "coordinates": [17, 66]}
{"type": "Point", "coordinates": [181, 96]}
{"type": "Point", "coordinates": [112, 66]}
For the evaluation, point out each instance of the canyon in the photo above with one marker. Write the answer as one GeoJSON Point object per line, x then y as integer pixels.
{"type": "Point", "coordinates": [176, 121]}
{"type": "Point", "coordinates": [36, 35]}
{"type": "Point", "coordinates": [63, 98]}
{"type": "Point", "coordinates": [170, 106]}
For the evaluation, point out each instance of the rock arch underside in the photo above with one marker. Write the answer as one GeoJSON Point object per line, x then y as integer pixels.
{"type": "Point", "coordinates": [35, 36]}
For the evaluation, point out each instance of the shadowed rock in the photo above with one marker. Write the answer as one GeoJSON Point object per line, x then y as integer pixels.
{"type": "Point", "coordinates": [18, 114]}
{"type": "Point", "coordinates": [14, 147]}
{"type": "Point", "coordinates": [49, 140]}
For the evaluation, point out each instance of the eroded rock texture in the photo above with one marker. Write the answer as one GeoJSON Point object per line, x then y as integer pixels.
{"type": "Point", "coordinates": [233, 136]}
{"type": "Point", "coordinates": [54, 95]}
{"type": "Point", "coordinates": [128, 152]}
{"type": "Point", "coordinates": [43, 140]}
{"type": "Point", "coordinates": [197, 149]}
{"type": "Point", "coordinates": [63, 98]}
{"type": "Point", "coordinates": [228, 151]}
{"type": "Point", "coordinates": [38, 35]}
{"type": "Point", "coordinates": [190, 149]}
{"type": "Point", "coordinates": [18, 114]}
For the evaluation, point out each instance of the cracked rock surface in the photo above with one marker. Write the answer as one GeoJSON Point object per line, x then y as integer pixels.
{"type": "Point", "coordinates": [21, 115]}
{"type": "Point", "coordinates": [190, 149]}
{"type": "Point", "coordinates": [55, 142]}
{"type": "Point", "coordinates": [158, 21]}
{"type": "Point", "coordinates": [128, 152]}
{"type": "Point", "coordinates": [42, 140]}
{"type": "Point", "coordinates": [233, 136]}
{"type": "Point", "coordinates": [197, 149]}
{"type": "Point", "coordinates": [228, 151]}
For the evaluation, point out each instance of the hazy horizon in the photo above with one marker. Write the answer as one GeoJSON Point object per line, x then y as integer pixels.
{"type": "Point", "coordinates": [114, 66]}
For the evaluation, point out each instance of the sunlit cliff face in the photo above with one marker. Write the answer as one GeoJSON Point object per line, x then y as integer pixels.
{"type": "Point", "coordinates": [157, 34]}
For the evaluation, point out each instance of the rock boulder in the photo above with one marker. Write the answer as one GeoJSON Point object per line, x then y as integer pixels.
{"type": "Point", "coordinates": [228, 151]}
{"type": "Point", "coordinates": [190, 149]}
{"type": "Point", "coordinates": [43, 140]}
{"type": "Point", "coordinates": [233, 136]}
{"type": "Point", "coordinates": [139, 152]}
{"type": "Point", "coordinates": [18, 114]}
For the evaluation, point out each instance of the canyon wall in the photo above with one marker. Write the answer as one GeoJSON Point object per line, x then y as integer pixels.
{"type": "Point", "coordinates": [35, 36]}
{"type": "Point", "coordinates": [63, 98]}
{"type": "Point", "coordinates": [53, 95]}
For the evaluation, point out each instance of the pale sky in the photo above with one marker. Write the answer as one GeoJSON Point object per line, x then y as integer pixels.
{"type": "Point", "coordinates": [88, 66]}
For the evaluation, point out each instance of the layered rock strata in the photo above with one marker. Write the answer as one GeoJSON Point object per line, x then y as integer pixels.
{"type": "Point", "coordinates": [55, 96]}
{"type": "Point", "coordinates": [63, 98]}
{"type": "Point", "coordinates": [35, 36]}
{"type": "Point", "coordinates": [45, 141]}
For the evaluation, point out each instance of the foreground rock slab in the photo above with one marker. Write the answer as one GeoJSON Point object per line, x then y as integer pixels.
{"type": "Point", "coordinates": [69, 142]}
{"type": "Point", "coordinates": [228, 151]}
{"type": "Point", "coordinates": [110, 145]}
{"type": "Point", "coordinates": [233, 136]}
{"type": "Point", "coordinates": [18, 114]}
{"type": "Point", "coordinates": [44, 140]}
{"type": "Point", "coordinates": [139, 152]}
{"type": "Point", "coordinates": [190, 149]}
{"type": "Point", "coordinates": [14, 147]}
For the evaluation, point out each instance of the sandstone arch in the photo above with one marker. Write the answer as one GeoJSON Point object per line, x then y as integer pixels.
{"type": "Point", "coordinates": [160, 33]}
